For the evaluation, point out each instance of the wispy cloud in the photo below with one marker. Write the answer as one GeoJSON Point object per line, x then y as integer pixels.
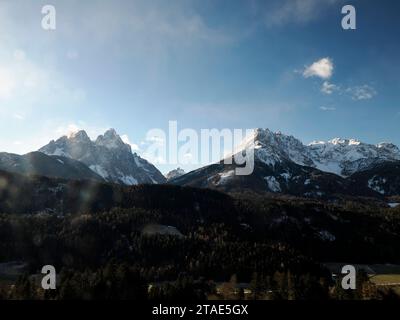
{"type": "Point", "coordinates": [363, 92]}
{"type": "Point", "coordinates": [323, 108]}
{"type": "Point", "coordinates": [329, 88]}
{"type": "Point", "coordinates": [148, 25]}
{"type": "Point", "coordinates": [296, 11]}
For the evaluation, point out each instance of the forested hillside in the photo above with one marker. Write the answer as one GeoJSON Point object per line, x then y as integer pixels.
{"type": "Point", "coordinates": [200, 240]}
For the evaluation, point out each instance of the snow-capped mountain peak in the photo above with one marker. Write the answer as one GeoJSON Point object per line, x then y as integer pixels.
{"type": "Point", "coordinates": [108, 156]}
{"type": "Point", "coordinates": [111, 140]}
{"type": "Point", "coordinates": [388, 146]}
{"type": "Point", "coordinates": [345, 142]}
{"type": "Point", "coordinates": [271, 148]}
{"type": "Point", "coordinates": [80, 135]}
{"type": "Point", "coordinates": [340, 156]}
{"type": "Point", "coordinates": [175, 174]}
{"type": "Point", "coordinates": [336, 142]}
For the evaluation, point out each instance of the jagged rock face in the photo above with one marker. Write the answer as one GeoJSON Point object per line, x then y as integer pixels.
{"type": "Point", "coordinates": [108, 156]}
{"type": "Point", "coordinates": [272, 148]}
{"type": "Point", "coordinates": [345, 157]}
{"type": "Point", "coordinates": [339, 156]}
{"type": "Point", "coordinates": [175, 174]}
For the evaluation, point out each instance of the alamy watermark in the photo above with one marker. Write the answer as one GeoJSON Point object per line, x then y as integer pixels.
{"type": "Point", "coordinates": [49, 21]}
{"type": "Point", "coordinates": [349, 21]}
{"type": "Point", "coordinates": [188, 146]}
{"type": "Point", "coordinates": [349, 280]}
{"type": "Point", "coordinates": [49, 280]}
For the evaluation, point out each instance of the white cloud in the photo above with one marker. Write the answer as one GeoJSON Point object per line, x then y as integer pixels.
{"type": "Point", "coordinates": [322, 68]}
{"type": "Point", "coordinates": [65, 130]}
{"type": "Point", "coordinates": [126, 140]}
{"type": "Point", "coordinates": [364, 92]}
{"type": "Point", "coordinates": [72, 129]}
{"type": "Point", "coordinates": [329, 88]}
{"type": "Point", "coordinates": [327, 108]}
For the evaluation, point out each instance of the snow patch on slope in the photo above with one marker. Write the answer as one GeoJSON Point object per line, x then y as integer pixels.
{"type": "Point", "coordinates": [225, 176]}
{"type": "Point", "coordinates": [326, 235]}
{"type": "Point", "coordinates": [129, 180]}
{"type": "Point", "coordinates": [375, 183]}
{"type": "Point", "coordinates": [99, 170]}
{"type": "Point", "coordinates": [273, 184]}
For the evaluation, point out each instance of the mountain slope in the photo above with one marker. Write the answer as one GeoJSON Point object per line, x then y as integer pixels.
{"type": "Point", "coordinates": [383, 178]}
{"type": "Point", "coordinates": [37, 163]}
{"type": "Point", "coordinates": [108, 156]}
{"type": "Point", "coordinates": [327, 231]}
{"type": "Point", "coordinates": [284, 177]}
{"type": "Point", "coordinates": [37, 194]}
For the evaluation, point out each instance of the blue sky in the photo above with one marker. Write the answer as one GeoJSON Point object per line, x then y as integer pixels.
{"type": "Point", "coordinates": [135, 65]}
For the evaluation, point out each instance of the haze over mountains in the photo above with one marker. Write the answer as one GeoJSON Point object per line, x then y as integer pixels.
{"type": "Point", "coordinates": [283, 164]}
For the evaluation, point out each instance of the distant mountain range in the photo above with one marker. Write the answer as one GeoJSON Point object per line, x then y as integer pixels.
{"type": "Point", "coordinates": [283, 164]}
